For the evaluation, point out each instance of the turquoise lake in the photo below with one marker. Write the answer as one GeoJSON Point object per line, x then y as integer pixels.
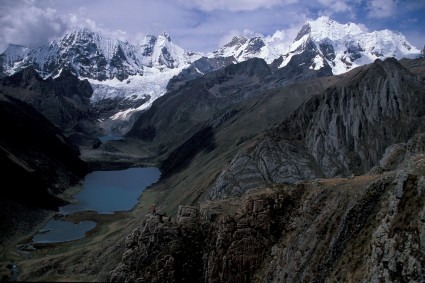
{"type": "Point", "coordinates": [105, 192]}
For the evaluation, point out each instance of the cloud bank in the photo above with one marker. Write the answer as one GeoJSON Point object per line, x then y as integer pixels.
{"type": "Point", "coordinates": [198, 25]}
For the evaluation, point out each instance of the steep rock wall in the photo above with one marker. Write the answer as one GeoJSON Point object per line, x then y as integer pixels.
{"type": "Point", "coordinates": [344, 131]}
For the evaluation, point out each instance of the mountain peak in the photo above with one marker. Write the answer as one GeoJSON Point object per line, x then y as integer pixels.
{"type": "Point", "coordinates": [346, 46]}
{"type": "Point", "coordinates": [16, 50]}
{"type": "Point", "coordinates": [150, 39]}
{"type": "Point", "coordinates": [324, 20]}
{"type": "Point", "coordinates": [165, 35]}
{"type": "Point", "coordinates": [83, 32]}
{"type": "Point", "coordinates": [236, 40]}
{"type": "Point", "coordinates": [12, 46]}
{"type": "Point", "coordinates": [324, 27]}
{"type": "Point", "coordinates": [243, 48]}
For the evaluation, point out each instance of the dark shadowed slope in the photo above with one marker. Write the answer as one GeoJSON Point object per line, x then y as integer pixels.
{"type": "Point", "coordinates": [37, 163]}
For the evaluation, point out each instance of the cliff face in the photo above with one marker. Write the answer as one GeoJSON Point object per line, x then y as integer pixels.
{"type": "Point", "coordinates": [343, 131]}
{"type": "Point", "coordinates": [364, 229]}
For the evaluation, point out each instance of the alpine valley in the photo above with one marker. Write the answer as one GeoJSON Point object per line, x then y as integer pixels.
{"type": "Point", "coordinates": [303, 164]}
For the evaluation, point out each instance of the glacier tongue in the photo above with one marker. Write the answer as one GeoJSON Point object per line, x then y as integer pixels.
{"type": "Point", "coordinates": [151, 85]}
{"type": "Point", "coordinates": [137, 91]}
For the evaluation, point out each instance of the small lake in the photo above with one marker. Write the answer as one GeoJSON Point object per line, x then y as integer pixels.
{"type": "Point", "coordinates": [107, 138]}
{"type": "Point", "coordinates": [104, 192]}
{"type": "Point", "coordinates": [63, 231]}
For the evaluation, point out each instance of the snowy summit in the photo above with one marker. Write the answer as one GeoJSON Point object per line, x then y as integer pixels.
{"type": "Point", "coordinates": [346, 46]}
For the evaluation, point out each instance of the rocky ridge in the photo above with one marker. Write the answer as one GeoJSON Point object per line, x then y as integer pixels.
{"type": "Point", "coordinates": [344, 131]}
{"type": "Point", "coordinates": [210, 100]}
{"type": "Point", "coordinates": [64, 101]}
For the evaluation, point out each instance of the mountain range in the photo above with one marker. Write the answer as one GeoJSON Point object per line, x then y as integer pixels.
{"type": "Point", "coordinates": [128, 78]}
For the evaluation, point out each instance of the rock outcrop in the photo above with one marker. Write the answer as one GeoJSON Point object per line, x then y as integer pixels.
{"type": "Point", "coordinates": [204, 244]}
{"type": "Point", "coordinates": [361, 229]}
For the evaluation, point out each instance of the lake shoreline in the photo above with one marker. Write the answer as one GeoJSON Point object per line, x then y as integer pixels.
{"type": "Point", "coordinates": [95, 247]}
{"type": "Point", "coordinates": [102, 193]}
{"type": "Point", "coordinates": [116, 223]}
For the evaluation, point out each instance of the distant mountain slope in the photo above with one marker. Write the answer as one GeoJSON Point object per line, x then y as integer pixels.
{"type": "Point", "coordinates": [89, 55]}
{"type": "Point", "coordinates": [243, 48]}
{"type": "Point", "coordinates": [64, 101]}
{"type": "Point", "coordinates": [322, 45]}
{"type": "Point", "coordinates": [207, 101]}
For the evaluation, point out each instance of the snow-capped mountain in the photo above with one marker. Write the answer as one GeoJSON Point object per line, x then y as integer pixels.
{"type": "Point", "coordinates": [345, 46]}
{"type": "Point", "coordinates": [243, 48]}
{"type": "Point", "coordinates": [239, 49]}
{"type": "Point", "coordinates": [159, 51]}
{"type": "Point", "coordinates": [136, 75]}
{"type": "Point", "coordinates": [13, 54]}
{"type": "Point", "coordinates": [92, 56]}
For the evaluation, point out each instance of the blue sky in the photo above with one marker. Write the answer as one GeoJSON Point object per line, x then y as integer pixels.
{"type": "Point", "coordinates": [199, 25]}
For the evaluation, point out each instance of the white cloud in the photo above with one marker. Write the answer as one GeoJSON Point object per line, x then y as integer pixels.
{"type": "Point", "coordinates": [381, 8]}
{"type": "Point", "coordinates": [30, 23]}
{"type": "Point", "coordinates": [231, 33]}
{"type": "Point", "coordinates": [282, 39]}
{"type": "Point", "coordinates": [234, 5]}
{"type": "Point", "coordinates": [346, 7]}
{"type": "Point", "coordinates": [24, 23]}
{"type": "Point", "coordinates": [75, 22]}
{"type": "Point", "coordinates": [362, 27]}
{"type": "Point", "coordinates": [336, 5]}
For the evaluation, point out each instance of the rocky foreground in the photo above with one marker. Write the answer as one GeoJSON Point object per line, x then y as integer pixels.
{"type": "Point", "coordinates": [368, 228]}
